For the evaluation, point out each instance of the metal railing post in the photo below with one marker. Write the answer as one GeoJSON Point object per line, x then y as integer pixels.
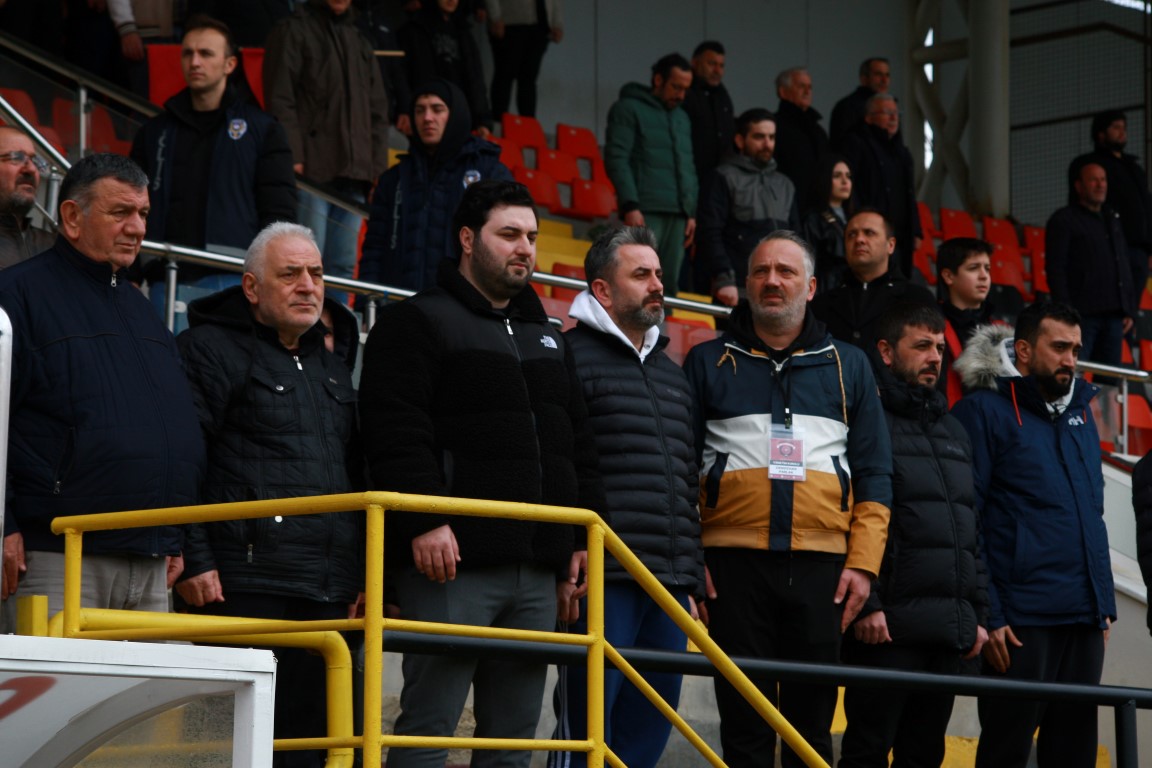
{"type": "Point", "coordinates": [1126, 748]}
{"type": "Point", "coordinates": [596, 650]}
{"type": "Point", "coordinates": [1124, 415]}
{"type": "Point", "coordinates": [171, 273]}
{"type": "Point", "coordinates": [373, 636]}
{"type": "Point", "coordinates": [83, 115]}
{"type": "Point", "coordinates": [5, 405]}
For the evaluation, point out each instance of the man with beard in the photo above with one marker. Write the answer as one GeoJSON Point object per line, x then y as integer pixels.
{"type": "Point", "coordinates": [926, 611]}
{"type": "Point", "coordinates": [795, 472]}
{"type": "Point", "coordinates": [468, 391]}
{"type": "Point", "coordinates": [641, 410]}
{"type": "Point", "coordinates": [747, 199]}
{"type": "Point", "coordinates": [1051, 598]}
{"type": "Point", "coordinates": [20, 170]}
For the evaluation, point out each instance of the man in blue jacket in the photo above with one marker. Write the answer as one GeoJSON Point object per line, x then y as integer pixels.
{"type": "Point", "coordinates": [102, 417]}
{"type": "Point", "coordinates": [220, 167]}
{"type": "Point", "coordinates": [1040, 496]}
{"type": "Point", "coordinates": [410, 223]}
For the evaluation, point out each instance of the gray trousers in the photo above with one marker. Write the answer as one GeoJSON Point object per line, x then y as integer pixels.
{"type": "Point", "coordinates": [507, 693]}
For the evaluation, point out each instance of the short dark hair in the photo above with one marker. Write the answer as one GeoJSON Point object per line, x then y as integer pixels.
{"type": "Point", "coordinates": [866, 65]}
{"type": "Point", "coordinates": [715, 46]}
{"type": "Point", "coordinates": [908, 314]}
{"type": "Point", "coordinates": [1029, 320]}
{"type": "Point", "coordinates": [750, 117]}
{"type": "Point", "coordinates": [952, 253]}
{"type": "Point", "coordinates": [481, 197]}
{"type": "Point", "coordinates": [81, 177]}
{"type": "Point", "coordinates": [600, 263]}
{"type": "Point", "coordinates": [204, 21]}
{"type": "Point", "coordinates": [1101, 121]}
{"type": "Point", "coordinates": [889, 230]}
{"type": "Point", "coordinates": [666, 64]}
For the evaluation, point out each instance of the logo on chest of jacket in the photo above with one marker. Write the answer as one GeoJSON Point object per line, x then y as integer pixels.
{"type": "Point", "coordinates": [548, 341]}
{"type": "Point", "coordinates": [1075, 421]}
{"type": "Point", "coordinates": [471, 177]}
{"type": "Point", "coordinates": [237, 128]}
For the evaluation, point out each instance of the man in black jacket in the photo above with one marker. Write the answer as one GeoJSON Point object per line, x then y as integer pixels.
{"type": "Point", "coordinates": [636, 397]}
{"type": "Point", "coordinates": [278, 412]}
{"type": "Point", "coordinates": [468, 391]}
{"type": "Point", "coordinates": [801, 143]}
{"type": "Point", "coordinates": [220, 167]}
{"type": "Point", "coordinates": [928, 608]}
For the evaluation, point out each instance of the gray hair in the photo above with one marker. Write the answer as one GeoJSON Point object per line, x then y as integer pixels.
{"type": "Point", "coordinates": [600, 262]}
{"type": "Point", "coordinates": [254, 258]}
{"type": "Point", "coordinates": [83, 176]}
{"type": "Point", "coordinates": [876, 98]}
{"type": "Point", "coordinates": [791, 237]}
{"type": "Point", "coordinates": [784, 79]}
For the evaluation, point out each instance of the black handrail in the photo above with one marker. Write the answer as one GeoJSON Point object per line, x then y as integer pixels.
{"type": "Point", "coordinates": [1124, 701]}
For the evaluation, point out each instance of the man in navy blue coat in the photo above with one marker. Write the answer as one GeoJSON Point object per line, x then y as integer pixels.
{"type": "Point", "coordinates": [102, 418]}
{"type": "Point", "coordinates": [1040, 497]}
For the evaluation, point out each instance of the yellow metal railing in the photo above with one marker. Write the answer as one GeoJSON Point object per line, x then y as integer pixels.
{"type": "Point", "coordinates": [77, 622]}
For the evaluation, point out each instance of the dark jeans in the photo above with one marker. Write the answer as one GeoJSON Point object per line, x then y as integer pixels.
{"type": "Point", "coordinates": [517, 58]}
{"type": "Point", "coordinates": [1101, 336]}
{"type": "Point", "coordinates": [775, 605]}
{"type": "Point", "coordinates": [1070, 653]}
{"type": "Point", "coordinates": [910, 723]}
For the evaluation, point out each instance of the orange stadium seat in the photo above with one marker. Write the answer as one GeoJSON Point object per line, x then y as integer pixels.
{"type": "Point", "coordinates": [510, 153]}
{"type": "Point", "coordinates": [1001, 233]}
{"type": "Point", "coordinates": [541, 186]}
{"type": "Point", "coordinates": [1008, 270]}
{"type": "Point", "coordinates": [927, 225]}
{"type": "Point", "coordinates": [566, 270]}
{"type": "Point", "coordinates": [525, 131]}
{"type": "Point", "coordinates": [561, 166]}
{"type": "Point", "coordinates": [592, 199]}
{"type": "Point", "coordinates": [1034, 245]}
{"type": "Point", "coordinates": [165, 77]}
{"type": "Point", "coordinates": [20, 101]}
{"type": "Point", "coordinates": [253, 60]}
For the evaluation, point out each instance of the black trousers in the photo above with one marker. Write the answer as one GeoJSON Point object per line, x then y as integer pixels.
{"type": "Point", "coordinates": [775, 606]}
{"type": "Point", "coordinates": [1069, 653]}
{"type": "Point", "coordinates": [910, 723]}
{"type": "Point", "coordinates": [300, 708]}
{"type": "Point", "coordinates": [517, 58]}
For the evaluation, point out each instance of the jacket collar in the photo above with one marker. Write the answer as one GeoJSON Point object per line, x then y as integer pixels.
{"type": "Point", "coordinates": [813, 334]}
{"type": "Point", "coordinates": [524, 305]}
{"type": "Point", "coordinates": [590, 312]}
{"type": "Point", "coordinates": [99, 271]}
{"type": "Point", "coordinates": [787, 108]}
{"type": "Point", "coordinates": [910, 400]}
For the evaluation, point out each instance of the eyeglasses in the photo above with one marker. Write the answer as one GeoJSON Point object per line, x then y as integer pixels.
{"type": "Point", "coordinates": [19, 157]}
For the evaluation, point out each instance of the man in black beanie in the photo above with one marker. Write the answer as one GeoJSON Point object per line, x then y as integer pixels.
{"type": "Point", "coordinates": [409, 225]}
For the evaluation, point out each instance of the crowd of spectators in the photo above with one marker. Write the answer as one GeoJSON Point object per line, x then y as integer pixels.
{"type": "Point", "coordinates": [832, 492]}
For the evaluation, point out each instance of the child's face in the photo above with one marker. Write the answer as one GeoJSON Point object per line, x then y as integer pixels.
{"type": "Point", "coordinates": [968, 285]}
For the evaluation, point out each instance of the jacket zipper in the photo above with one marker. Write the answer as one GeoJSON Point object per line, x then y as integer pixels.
{"type": "Point", "coordinates": [667, 474]}
{"type": "Point", "coordinates": [535, 428]}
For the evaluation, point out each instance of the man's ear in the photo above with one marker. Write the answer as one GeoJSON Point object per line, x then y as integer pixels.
{"type": "Point", "coordinates": [885, 350]}
{"type": "Point", "coordinates": [467, 241]}
{"type": "Point", "coordinates": [601, 291]}
{"type": "Point", "coordinates": [71, 215]}
{"type": "Point", "coordinates": [248, 282]}
{"type": "Point", "coordinates": [948, 276]}
{"type": "Point", "coordinates": [229, 65]}
{"type": "Point", "coordinates": [1023, 353]}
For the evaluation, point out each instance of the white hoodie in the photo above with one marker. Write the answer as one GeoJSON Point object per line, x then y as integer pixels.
{"type": "Point", "coordinates": [587, 310]}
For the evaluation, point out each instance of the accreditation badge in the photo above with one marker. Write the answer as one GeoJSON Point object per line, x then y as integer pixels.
{"type": "Point", "coordinates": [786, 455]}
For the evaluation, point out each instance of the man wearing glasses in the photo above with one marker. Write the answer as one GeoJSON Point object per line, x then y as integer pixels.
{"type": "Point", "coordinates": [20, 171]}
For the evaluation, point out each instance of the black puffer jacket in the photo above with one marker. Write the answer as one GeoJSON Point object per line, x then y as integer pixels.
{"type": "Point", "coordinates": [460, 399]}
{"type": "Point", "coordinates": [279, 424]}
{"type": "Point", "coordinates": [642, 415]}
{"type": "Point", "coordinates": [932, 585]}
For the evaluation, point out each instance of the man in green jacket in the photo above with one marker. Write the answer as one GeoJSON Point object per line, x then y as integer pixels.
{"type": "Point", "coordinates": [648, 156]}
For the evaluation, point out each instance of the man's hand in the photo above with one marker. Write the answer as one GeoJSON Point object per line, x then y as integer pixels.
{"type": "Point", "coordinates": [13, 564]}
{"type": "Point", "coordinates": [567, 604]}
{"type": "Point", "coordinates": [298, 168]}
{"type": "Point", "coordinates": [496, 29]}
{"type": "Point", "coordinates": [709, 594]}
{"type": "Point", "coordinates": [436, 553]}
{"type": "Point", "coordinates": [729, 295]}
{"type": "Point", "coordinates": [1107, 630]}
{"type": "Point", "coordinates": [356, 609]}
{"type": "Point", "coordinates": [689, 233]}
{"type": "Point", "coordinates": [634, 218]}
{"type": "Point", "coordinates": [1128, 323]}
{"type": "Point", "coordinates": [855, 585]}
{"type": "Point", "coordinates": [578, 573]}
{"type": "Point", "coordinates": [132, 47]}
{"type": "Point", "coordinates": [996, 649]}
{"type": "Point", "coordinates": [404, 124]}
{"type": "Point", "coordinates": [202, 589]}
{"type": "Point", "coordinates": [483, 132]}
{"type": "Point", "coordinates": [981, 638]}
{"type": "Point", "coordinates": [872, 629]}
{"type": "Point", "coordinates": [174, 566]}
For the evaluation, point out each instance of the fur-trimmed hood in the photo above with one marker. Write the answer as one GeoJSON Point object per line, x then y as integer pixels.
{"type": "Point", "coordinates": [988, 355]}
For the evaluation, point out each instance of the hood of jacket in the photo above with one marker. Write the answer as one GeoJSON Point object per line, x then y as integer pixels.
{"type": "Point", "coordinates": [524, 305]}
{"type": "Point", "coordinates": [230, 308]}
{"type": "Point", "coordinates": [910, 401]}
{"type": "Point", "coordinates": [459, 127]}
{"type": "Point", "coordinates": [747, 165]}
{"type": "Point", "coordinates": [587, 310]}
{"type": "Point", "coordinates": [990, 354]}
{"type": "Point", "coordinates": [743, 332]}
{"type": "Point", "coordinates": [642, 93]}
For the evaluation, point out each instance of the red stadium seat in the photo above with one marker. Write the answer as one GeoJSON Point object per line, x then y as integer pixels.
{"type": "Point", "coordinates": [541, 186]}
{"type": "Point", "coordinates": [1001, 233]}
{"type": "Point", "coordinates": [1008, 269]}
{"type": "Point", "coordinates": [576, 141]}
{"type": "Point", "coordinates": [525, 131]}
{"type": "Point", "coordinates": [924, 259]}
{"type": "Point", "coordinates": [561, 166]}
{"type": "Point", "coordinates": [566, 270]}
{"type": "Point", "coordinates": [955, 223]}
{"type": "Point", "coordinates": [20, 101]}
{"type": "Point", "coordinates": [592, 199]}
{"type": "Point", "coordinates": [1034, 244]}
{"type": "Point", "coordinates": [253, 61]}
{"type": "Point", "coordinates": [165, 76]}
{"type": "Point", "coordinates": [927, 225]}
{"type": "Point", "coordinates": [510, 153]}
